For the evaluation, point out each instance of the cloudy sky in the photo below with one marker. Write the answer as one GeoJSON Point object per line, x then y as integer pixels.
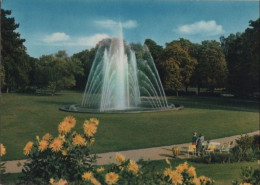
{"type": "Point", "coordinates": [74, 25]}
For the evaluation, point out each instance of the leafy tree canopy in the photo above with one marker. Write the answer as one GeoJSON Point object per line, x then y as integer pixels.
{"type": "Point", "coordinates": [15, 67]}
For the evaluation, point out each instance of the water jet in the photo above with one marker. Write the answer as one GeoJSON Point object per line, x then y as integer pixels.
{"type": "Point", "coordinates": [123, 78]}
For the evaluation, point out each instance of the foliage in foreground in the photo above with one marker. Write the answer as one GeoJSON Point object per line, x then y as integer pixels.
{"type": "Point", "coordinates": [66, 156]}
{"type": "Point", "coordinates": [2, 153]}
{"type": "Point", "coordinates": [67, 159]}
{"type": "Point", "coordinates": [249, 176]}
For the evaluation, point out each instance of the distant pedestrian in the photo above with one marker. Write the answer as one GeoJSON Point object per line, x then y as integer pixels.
{"type": "Point", "coordinates": [199, 143]}
{"type": "Point", "coordinates": [194, 138]}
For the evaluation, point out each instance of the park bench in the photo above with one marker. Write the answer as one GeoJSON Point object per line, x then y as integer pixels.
{"type": "Point", "coordinates": [44, 92]}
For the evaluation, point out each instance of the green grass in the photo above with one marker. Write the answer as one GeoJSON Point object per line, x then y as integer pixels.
{"type": "Point", "coordinates": [223, 174]}
{"type": "Point", "coordinates": [25, 116]}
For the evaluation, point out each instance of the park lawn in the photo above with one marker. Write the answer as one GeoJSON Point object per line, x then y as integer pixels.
{"type": "Point", "coordinates": [223, 174]}
{"type": "Point", "coordinates": [24, 116]}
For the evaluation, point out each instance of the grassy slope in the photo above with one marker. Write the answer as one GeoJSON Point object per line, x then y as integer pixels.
{"type": "Point", "coordinates": [25, 116]}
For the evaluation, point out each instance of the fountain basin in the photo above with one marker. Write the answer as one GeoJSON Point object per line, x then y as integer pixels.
{"type": "Point", "coordinates": [79, 109]}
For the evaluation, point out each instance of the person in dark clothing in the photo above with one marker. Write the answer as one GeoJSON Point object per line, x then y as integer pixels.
{"type": "Point", "coordinates": [194, 138]}
{"type": "Point", "coordinates": [199, 144]}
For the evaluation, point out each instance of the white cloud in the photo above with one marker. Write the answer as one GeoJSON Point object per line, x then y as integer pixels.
{"type": "Point", "coordinates": [56, 37]}
{"type": "Point", "coordinates": [202, 27]}
{"type": "Point", "coordinates": [129, 24]}
{"type": "Point", "coordinates": [90, 40]}
{"type": "Point", "coordinates": [110, 24]}
{"type": "Point", "coordinates": [107, 23]}
{"type": "Point", "coordinates": [61, 39]}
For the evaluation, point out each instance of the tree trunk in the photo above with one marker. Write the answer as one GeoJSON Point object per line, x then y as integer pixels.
{"type": "Point", "coordinates": [186, 88]}
{"type": "Point", "coordinates": [7, 90]}
{"type": "Point", "coordinates": [53, 92]}
{"type": "Point", "coordinates": [177, 93]}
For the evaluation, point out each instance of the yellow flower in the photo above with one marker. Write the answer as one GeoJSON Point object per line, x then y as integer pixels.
{"type": "Point", "coordinates": [196, 181]}
{"type": "Point", "coordinates": [56, 145]}
{"type": "Point", "coordinates": [167, 172]}
{"type": "Point", "coordinates": [204, 180]}
{"type": "Point", "coordinates": [175, 177]}
{"type": "Point", "coordinates": [87, 176]}
{"type": "Point", "coordinates": [43, 144]}
{"type": "Point", "coordinates": [62, 182]}
{"type": "Point", "coordinates": [38, 138]}
{"type": "Point", "coordinates": [181, 167]}
{"type": "Point", "coordinates": [132, 166]}
{"type": "Point", "coordinates": [120, 158]}
{"type": "Point", "coordinates": [28, 148]}
{"type": "Point", "coordinates": [94, 121]}
{"type": "Point", "coordinates": [245, 183]}
{"type": "Point", "coordinates": [2, 150]}
{"type": "Point", "coordinates": [192, 171]}
{"type": "Point", "coordinates": [167, 161]}
{"type": "Point", "coordinates": [101, 169]}
{"type": "Point", "coordinates": [47, 137]}
{"type": "Point", "coordinates": [64, 152]}
{"type": "Point", "coordinates": [62, 137]}
{"type": "Point", "coordinates": [71, 120]}
{"type": "Point", "coordinates": [79, 140]}
{"type": "Point", "coordinates": [95, 181]}
{"type": "Point", "coordinates": [64, 127]}
{"type": "Point", "coordinates": [89, 128]}
{"type": "Point", "coordinates": [111, 178]}
{"type": "Point", "coordinates": [51, 181]}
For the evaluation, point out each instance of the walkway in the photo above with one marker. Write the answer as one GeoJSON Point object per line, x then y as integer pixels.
{"type": "Point", "coordinates": [155, 153]}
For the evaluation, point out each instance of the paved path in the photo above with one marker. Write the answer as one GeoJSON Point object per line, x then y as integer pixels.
{"type": "Point", "coordinates": [155, 153]}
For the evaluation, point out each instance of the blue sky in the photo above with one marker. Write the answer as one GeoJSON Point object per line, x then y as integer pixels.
{"type": "Point", "coordinates": [75, 25]}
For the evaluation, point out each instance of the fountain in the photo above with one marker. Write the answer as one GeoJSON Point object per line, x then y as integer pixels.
{"type": "Point", "coordinates": [123, 78]}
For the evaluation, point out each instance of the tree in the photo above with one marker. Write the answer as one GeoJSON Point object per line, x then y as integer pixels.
{"type": "Point", "coordinates": [155, 49]}
{"type": "Point", "coordinates": [212, 68]}
{"type": "Point", "coordinates": [178, 66]}
{"type": "Point", "coordinates": [189, 66]}
{"type": "Point", "coordinates": [86, 57]}
{"type": "Point", "coordinates": [15, 66]}
{"type": "Point", "coordinates": [57, 71]}
{"type": "Point", "coordinates": [242, 55]}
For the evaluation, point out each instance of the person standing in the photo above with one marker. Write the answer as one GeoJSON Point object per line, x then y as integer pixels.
{"type": "Point", "coordinates": [194, 138]}
{"type": "Point", "coordinates": [199, 144]}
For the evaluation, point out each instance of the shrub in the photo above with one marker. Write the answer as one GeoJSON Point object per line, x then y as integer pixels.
{"type": "Point", "coordinates": [256, 141]}
{"type": "Point", "coordinates": [248, 176]}
{"type": "Point", "coordinates": [245, 142]}
{"type": "Point", "coordinates": [214, 158]}
{"type": "Point", "coordinates": [239, 154]}
{"type": "Point", "coordinates": [246, 150]}
{"type": "Point", "coordinates": [2, 153]}
{"type": "Point", "coordinates": [66, 156]}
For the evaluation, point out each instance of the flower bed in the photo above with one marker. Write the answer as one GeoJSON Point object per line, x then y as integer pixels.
{"type": "Point", "coordinates": [67, 159]}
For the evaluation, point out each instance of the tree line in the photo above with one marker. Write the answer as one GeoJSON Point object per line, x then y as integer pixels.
{"type": "Point", "coordinates": [232, 63]}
